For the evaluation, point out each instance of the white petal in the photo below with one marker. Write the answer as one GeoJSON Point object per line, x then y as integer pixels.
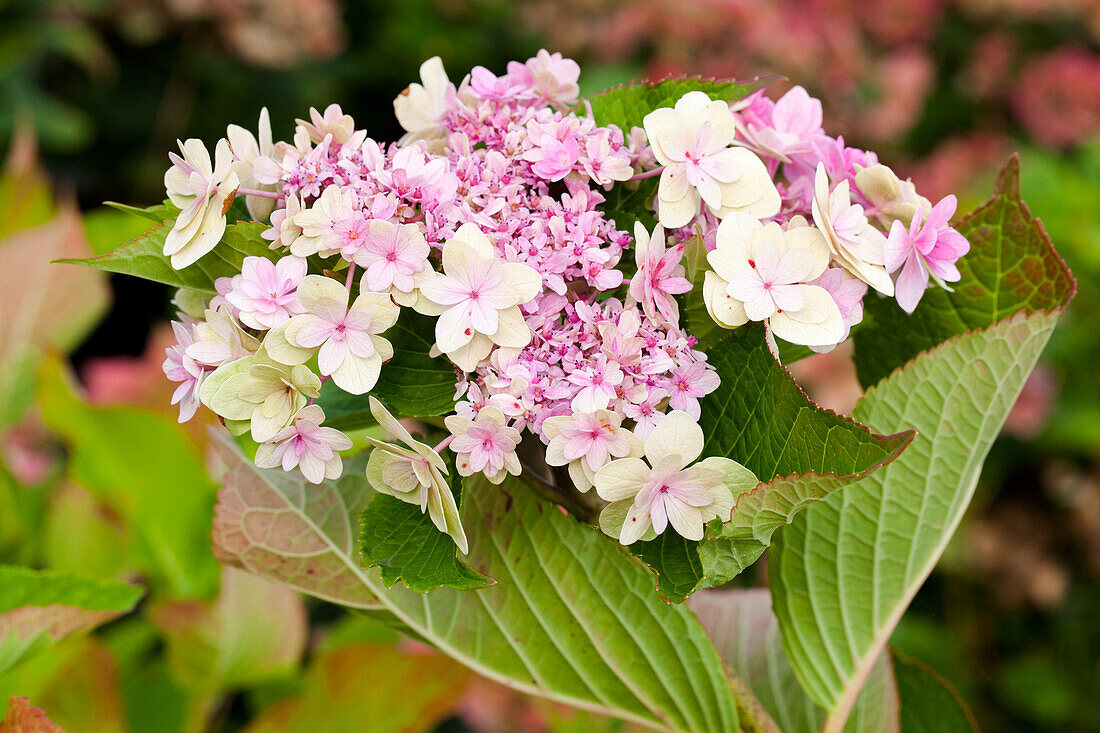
{"type": "Point", "coordinates": [621, 479]}
{"type": "Point", "coordinates": [821, 323]}
{"type": "Point", "coordinates": [726, 311]}
{"type": "Point", "coordinates": [676, 435]}
{"type": "Point", "coordinates": [315, 290]}
{"type": "Point", "coordinates": [357, 375]}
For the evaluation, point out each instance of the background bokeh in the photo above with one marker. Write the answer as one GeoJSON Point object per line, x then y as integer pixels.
{"type": "Point", "coordinates": [97, 477]}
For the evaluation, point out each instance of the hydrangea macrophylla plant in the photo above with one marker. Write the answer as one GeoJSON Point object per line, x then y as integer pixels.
{"type": "Point", "coordinates": [556, 295]}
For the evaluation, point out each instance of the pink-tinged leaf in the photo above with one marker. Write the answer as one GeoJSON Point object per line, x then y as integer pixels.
{"type": "Point", "coordinates": [22, 718]}
{"type": "Point", "coordinates": [38, 608]}
{"type": "Point", "coordinates": [43, 306]}
{"type": "Point", "coordinates": [78, 684]}
{"type": "Point", "coordinates": [309, 545]}
{"type": "Point", "coordinates": [210, 647]}
{"type": "Point", "coordinates": [370, 687]}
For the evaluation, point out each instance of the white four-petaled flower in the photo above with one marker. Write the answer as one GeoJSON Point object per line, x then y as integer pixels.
{"type": "Point", "coordinates": [692, 141]}
{"type": "Point", "coordinates": [760, 273]}
{"type": "Point", "coordinates": [477, 299]}
{"type": "Point", "coordinates": [304, 444]}
{"type": "Point", "coordinates": [345, 339]}
{"type": "Point", "coordinates": [486, 444]}
{"type": "Point", "coordinates": [648, 495]}
{"type": "Point", "coordinates": [586, 442]}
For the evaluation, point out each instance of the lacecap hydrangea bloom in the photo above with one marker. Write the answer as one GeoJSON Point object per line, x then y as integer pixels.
{"type": "Point", "coordinates": [480, 247]}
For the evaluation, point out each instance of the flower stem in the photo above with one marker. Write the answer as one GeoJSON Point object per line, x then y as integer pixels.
{"type": "Point", "coordinates": [443, 443]}
{"type": "Point", "coordinates": [351, 277]}
{"type": "Point", "coordinates": [648, 174]}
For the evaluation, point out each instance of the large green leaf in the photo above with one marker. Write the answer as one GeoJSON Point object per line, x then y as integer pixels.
{"type": "Point", "coordinates": [38, 607]}
{"type": "Point", "coordinates": [745, 631]}
{"type": "Point", "coordinates": [571, 617]}
{"type": "Point", "coordinates": [626, 105]}
{"type": "Point", "coordinates": [144, 257]}
{"type": "Point", "coordinates": [412, 383]}
{"type": "Point", "coordinates": [760, 418]}
{"type": "Point", "coordinates": [844, 571]}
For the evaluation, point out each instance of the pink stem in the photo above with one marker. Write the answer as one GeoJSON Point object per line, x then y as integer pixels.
{"type": "Point", "coordinates": [311, 400]}
{"type": "Point", "coordinates": [415, 220]}
{"type": "Point", "coordinates": [351, 276]}
{"type": "Point", "coordinates": [648, 174]}
{"type": "Point", "coordinates": [444, 443]}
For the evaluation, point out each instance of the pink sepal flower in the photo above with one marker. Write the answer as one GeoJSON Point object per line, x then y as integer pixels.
{"type": "Point", "coordinates": [927, 247]}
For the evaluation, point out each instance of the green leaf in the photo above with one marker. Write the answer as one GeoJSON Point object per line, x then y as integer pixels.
{"type": "Point", "coordinates": [844, 571]}
{"type": "Point", "coordinates": [403, 542]}
{"type": "Point", "coordinates": [39, 607]}
{"type": "Point", "coordinates": [760, 418]}
{"type": "Point", "coordinates": [209, 649]}
{"type": "Point", "coordinates": [159, 213]}
{"type": "Point", "coordinates": [311, 543]}
{"type": "Point", "coordinates": [571, 617]}
{"type": "Point", "coordinates": [1012, 266]}
{"type": "Point", "coordinates": [745, 631]}
{"type": "Point", "coordinates": [626, 105]}
{"type": "Point", "coordinates": [143, 466]}
{"type": "Point", "coordinates": [759, 513]}
{"type": "Point", "coordinates": [144, 257]}
{"type": "Point", "coordinates": [25, 587]}
{"type": "Point", "coordinates": [335, 699]}
{"type": "Point", "coordinates": [412, 384]}
{"type": "Point", "coordinates": [929, 703]}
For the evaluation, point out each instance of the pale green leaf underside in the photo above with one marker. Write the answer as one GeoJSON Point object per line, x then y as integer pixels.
{"type": "Point", "coordinates": [746, 633]}
{"type": "Point", "coordinates": [571, 617]}
{"type": "Point", "coordinates": [845, 570]}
